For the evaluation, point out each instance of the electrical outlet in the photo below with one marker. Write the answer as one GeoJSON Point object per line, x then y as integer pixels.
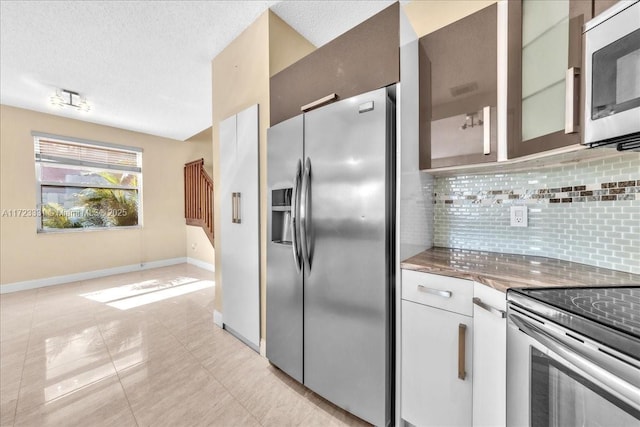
{"type": "Point", "coordinates": [518, 216]}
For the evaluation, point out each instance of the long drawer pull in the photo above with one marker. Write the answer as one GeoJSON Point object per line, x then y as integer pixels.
{"type": "Point", "coordinates": [438, 292]}
{"type": "Point", "coordinates": [501, 314]}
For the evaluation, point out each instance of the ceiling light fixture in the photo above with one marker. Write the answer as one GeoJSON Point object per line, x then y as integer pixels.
{"type": "Point", "coordinates": [67, 98]}
{"type": "Point", "coordinates": [471, 120]}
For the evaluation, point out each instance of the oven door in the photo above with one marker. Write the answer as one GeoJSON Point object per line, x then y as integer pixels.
{"type": "Point", "coordinates": [612, 66]}
{"type": "Point", "coordinates": [557, 380]}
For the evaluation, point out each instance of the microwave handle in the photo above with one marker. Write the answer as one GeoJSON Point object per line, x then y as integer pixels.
{"type": "Point", "coordinates": [583, 357]}
{"type": "Point", "coordinates": [572, 100]}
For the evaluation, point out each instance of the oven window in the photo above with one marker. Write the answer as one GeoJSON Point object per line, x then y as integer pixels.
{"type": "Point", "coordinates": [561, 397]}
{"type": "Point", "coordinates": [616, 77]}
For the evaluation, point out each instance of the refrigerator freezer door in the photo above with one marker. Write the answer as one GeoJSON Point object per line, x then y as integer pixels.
{"type": "Point", "coordinates": [346, 315]}
{"type": "Point", "coordinates": [239, 237]}
{"type": "Point", "coordinates": [284, 283]}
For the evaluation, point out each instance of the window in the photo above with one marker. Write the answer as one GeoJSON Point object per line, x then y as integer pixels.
{"type": "Point", "coordinates": [86, 184]}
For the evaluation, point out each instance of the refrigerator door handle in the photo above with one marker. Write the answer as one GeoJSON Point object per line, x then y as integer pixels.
{"type": "Point", "coordinates": [305, 214]}
{"type": "Point", "coordinates": [295, 217]}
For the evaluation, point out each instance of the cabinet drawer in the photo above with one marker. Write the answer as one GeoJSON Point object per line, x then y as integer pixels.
{"type": "Point", "coordinates": [447, 293]}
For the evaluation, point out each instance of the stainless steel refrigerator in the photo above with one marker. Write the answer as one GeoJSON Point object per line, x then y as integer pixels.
{"type": "Point", "coordinates": [330, 252]}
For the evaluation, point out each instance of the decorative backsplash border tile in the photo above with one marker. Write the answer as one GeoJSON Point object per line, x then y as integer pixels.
{"type": "Point", "coordinates": [608, 191]}
{"type": "Point", "coordinates": [586, 212]}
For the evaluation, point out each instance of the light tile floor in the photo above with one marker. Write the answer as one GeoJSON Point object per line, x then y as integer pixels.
{"type": "Point", "coordinates": [127, 350]}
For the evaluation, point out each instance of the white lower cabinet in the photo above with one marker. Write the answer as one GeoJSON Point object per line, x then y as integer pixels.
{"type": "Point", "coordinates": [489, 357]}
{"type": "Point", "coordinates": [454, 351]}
{"type": "Point", "coordinates": [436, 350]}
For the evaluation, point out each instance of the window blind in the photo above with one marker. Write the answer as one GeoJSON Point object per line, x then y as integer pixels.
{"type": "Point", "coordinates": [80, 154]}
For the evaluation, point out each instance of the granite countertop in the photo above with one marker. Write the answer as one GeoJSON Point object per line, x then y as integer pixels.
{"type": "Point", "coordinates": [503, 271]}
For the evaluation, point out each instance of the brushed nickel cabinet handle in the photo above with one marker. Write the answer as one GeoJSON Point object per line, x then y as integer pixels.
{"type": "Point", "coordinates": [233, 208]}
{"type": "Point", "coordinates": [486, 130]}
{"type": "Point", "coordinates": [238, 208]}
{"type": "Point", "coordinates": [571, 100]}
{"type": "Point", "coordinates": [477, 301]}
{"type": "Point", "coordinates": [462, 332]}
{"type": "Point", "coordinates": [438, 292]}
{"type": "Point", "coordinates": [319, 102]}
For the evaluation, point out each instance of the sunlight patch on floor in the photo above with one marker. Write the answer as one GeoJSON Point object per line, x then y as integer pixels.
{"type": "Point", "coordinates": [136, 294]}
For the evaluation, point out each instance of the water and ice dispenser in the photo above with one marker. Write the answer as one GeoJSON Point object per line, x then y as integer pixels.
{"type": "Point", "coordinates": [281, 215]}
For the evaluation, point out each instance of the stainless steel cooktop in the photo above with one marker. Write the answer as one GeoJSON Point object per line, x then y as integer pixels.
{"type": "Point", "coordinates": [610, 315]}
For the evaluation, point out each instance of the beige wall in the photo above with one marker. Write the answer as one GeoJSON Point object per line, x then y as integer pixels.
{"type": "Point", "coordinates": [27, 255]}
{"type": "Point", "coordinates": [199, 147]}
{"type": "Point", "coordinates": [240, 78]}
{"type": "Point", "coordinates": [198, 245]}
{"type": "Point", "coordinates": [427, 16]}
{"type": "Point", "coordinates": [286, 46]}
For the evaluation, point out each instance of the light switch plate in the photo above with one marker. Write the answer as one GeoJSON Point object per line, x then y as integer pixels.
{"type": "Point", "coordinates": [519, 216]}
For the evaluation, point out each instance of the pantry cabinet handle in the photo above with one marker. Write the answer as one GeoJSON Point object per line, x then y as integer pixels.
{"type": "Point", "coordinates": [486, 129]}
{"type": "Point", "coordinates": [238, 208]}
{"type": "Point", "coordinates": [501, 314]}
{"type": "Point", "coordinates": [572, 100]}
{"type": "Point", "coordinates": [438, 292]}
{"type": "Point", "coordinates": [233, 208]}
{"type": "Point", "coordinates": [462, 333]}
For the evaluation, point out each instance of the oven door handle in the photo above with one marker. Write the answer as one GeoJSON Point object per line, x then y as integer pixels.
{"type": "Point", "coordinates": [591, 361]}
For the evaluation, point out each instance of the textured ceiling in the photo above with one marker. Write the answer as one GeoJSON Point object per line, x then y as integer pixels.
{"type": "Point", "coordinates": [142, 65]}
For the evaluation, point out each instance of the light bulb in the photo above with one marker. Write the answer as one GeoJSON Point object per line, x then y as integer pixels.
{"type": "Point", "coordinates": [83, 105]}
{"type": "Point", "coordinates": [56, 99]}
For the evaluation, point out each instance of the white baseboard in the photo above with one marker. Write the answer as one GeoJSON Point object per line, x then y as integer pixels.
{"type": "Point", "coordinates": [201, 264]}
{"type": "Point", "coordinates": [217, 319]}
{"type": "Point", "coordinates": [68, 278]}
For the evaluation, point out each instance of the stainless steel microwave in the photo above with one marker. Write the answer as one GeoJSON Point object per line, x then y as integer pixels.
{"type": "Point", "coordinates": [612, 77]}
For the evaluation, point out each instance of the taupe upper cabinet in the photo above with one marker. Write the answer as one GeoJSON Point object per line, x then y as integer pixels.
{"type": "Point", "coordinates": [600, 6]}
{"type": "Point", "coordinates": [458, 92]}
{"type": "Point", "coordinates": [544, 74]}
{"type": "Point", "coordinates": [363, 59]}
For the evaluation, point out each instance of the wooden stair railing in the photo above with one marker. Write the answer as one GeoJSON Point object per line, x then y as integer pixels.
{"type": "Point", "coordinates": [198, 197]}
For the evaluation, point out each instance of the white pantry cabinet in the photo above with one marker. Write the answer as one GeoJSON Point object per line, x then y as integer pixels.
{"type": "Point", "coordinates": [437, 331]}
{"type": "Point", "coordinates": [489, 356]}
{"type": "Point", "coordinates": [239, 243]}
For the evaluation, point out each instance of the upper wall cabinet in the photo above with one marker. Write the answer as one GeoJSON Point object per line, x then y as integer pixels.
{"type": "Point", "coordinates": [600, 6]}
{"type": "Point", "coordinates": [458, 92]}
{"type": "Point", "coordinates": [544, 74]}
{"type": "Point", "coordinates": [364, 58]}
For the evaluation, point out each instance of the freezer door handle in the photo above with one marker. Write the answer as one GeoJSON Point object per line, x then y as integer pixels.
{"type": "Point", "coordinates": [295, 217]}
{"type": "Point", "coordinates": [305, 214]}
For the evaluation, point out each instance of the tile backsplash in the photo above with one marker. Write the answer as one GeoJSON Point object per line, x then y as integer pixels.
{"type": "Point", "coordinates": [586, 212]}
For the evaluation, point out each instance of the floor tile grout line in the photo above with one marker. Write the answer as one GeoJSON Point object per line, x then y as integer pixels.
{"type": "Point", "coordinates": [124, 391]}
{"type": "Point", "coordinates": [24, 359]}
{"type": "Point", "coordinates": [213, 375]}
{"type": "Point", "coordinates": [189, 323]}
